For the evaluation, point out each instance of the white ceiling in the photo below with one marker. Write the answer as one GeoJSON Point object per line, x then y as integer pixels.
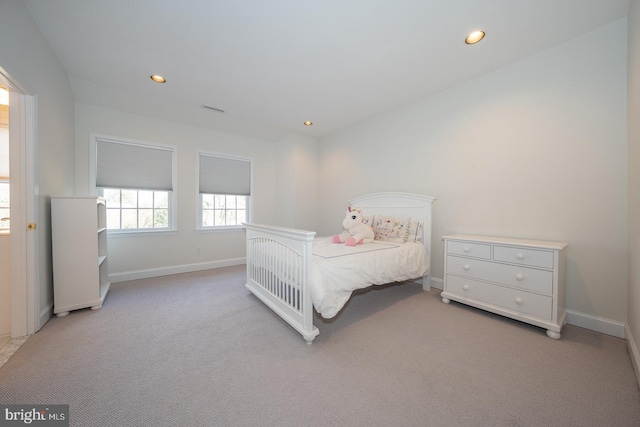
{"type": "Point", "coordinates": [272, 64]}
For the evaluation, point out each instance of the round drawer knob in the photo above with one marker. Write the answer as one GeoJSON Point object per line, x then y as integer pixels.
{"type": "Point", "coordinates": [519, 276]}
{"type": "Point", "coordinates": [466, 249]}
{"type": "Point", "coordinates": [466, 267]}
{"type": "Point", "coordinates": [520, 256]}
{"type": "Point", "coordinates": [518, 301]}
{"type": "Point", "coordinates": [465, 287]}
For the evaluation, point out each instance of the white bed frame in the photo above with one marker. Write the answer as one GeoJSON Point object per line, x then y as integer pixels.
{"type": "Point", "coordinates": [279, 274]}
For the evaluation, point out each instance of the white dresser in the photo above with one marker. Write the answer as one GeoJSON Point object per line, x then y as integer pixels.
{"type": "Point", "coordinates": [516, 278]}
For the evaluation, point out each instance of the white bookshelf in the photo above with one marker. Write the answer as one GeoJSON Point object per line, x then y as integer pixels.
{"type": "Point", "coordinates": [79, 242]}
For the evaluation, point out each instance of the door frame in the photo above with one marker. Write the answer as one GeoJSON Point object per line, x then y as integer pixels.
{"type": "Point", "coordinates": [25, 273]}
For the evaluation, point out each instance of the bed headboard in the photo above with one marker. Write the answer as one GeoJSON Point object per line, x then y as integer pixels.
{"type": "Point", "coordinates": [401, 205]}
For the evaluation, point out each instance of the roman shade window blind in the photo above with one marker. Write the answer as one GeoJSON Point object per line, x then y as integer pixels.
{"type": "Point", "coordinates": [134, 166]}
{"type": "Point", "coordinates": [224, 175]}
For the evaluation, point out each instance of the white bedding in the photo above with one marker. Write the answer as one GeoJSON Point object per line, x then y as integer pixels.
{"type": "Point", "coordinates": [338, 270]}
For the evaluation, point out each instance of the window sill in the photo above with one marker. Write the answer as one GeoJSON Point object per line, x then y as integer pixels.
{"type": "Point", "coordinates": [220, 229]}
{"type": "Point", "coordinates": [140, 233]}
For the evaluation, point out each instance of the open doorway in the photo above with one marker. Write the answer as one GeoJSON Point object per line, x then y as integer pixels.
{"type": "Point", "coordinates": [24, 311]}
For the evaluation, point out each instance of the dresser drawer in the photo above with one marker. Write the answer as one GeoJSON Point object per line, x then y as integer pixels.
{"type": "Point", "coordinates": [514, 300]}
{"type": "Point", "coordinates": [529, 279]}
{"type": "Point", "coordinates": [476, 250]}
{"type": "Point", "coordinates": [530, 257]}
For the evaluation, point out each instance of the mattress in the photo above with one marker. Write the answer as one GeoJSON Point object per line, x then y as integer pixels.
{"type": "Point", "coordinates": [338, 270]}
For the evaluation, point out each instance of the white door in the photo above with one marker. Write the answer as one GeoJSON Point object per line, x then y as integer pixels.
{"type": "Point", "coordinates": [25, 304]}
{"type": "Point", "coordinates": [5, 246]}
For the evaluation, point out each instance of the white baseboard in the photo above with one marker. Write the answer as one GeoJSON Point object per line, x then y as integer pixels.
{"type": "Point", "coordinates": [633, 351]}
{"type": "Point", "coordinates": [595, 323]}
{"type": "Point", "coordinates": [437, 283]}
{"type": "Point", "coordinates": [175, 269]}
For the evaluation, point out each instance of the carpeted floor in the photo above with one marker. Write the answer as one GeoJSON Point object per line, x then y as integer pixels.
{"type": "Point", "coordinates": [198, 350]}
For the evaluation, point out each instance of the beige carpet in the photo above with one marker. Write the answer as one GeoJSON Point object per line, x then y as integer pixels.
{"type": "Point", "coordinates": [199, 350]}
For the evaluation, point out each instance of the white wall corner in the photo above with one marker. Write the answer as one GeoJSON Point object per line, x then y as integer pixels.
{"type": "Point", "coordinates": [595, 323]}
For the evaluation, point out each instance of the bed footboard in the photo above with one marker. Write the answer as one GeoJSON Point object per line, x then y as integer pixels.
{"type": "Point", "coordinates": [279, 273]}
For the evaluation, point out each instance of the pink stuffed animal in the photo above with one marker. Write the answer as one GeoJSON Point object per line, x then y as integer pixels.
{"type": "Point", "coordinates": [355, 230]}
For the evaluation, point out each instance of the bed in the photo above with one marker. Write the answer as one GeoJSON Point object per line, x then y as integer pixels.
{"type": "Point", "coordinates": [293, 272]}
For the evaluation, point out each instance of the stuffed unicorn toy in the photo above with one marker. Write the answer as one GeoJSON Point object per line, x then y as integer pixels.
{"type": "Point", "coordinates": [355, 230]}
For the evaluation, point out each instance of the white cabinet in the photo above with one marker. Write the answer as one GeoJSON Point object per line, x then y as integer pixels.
{"type": "Point", "coordinates": [79, 242]}
{"type": "Point", "coordinates": [520, 279]}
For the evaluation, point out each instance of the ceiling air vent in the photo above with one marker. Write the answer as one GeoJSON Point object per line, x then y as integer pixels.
{"type": "Point", "coordinates": [219, 110]}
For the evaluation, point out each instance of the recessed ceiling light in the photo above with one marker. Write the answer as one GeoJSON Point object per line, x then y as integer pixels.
{"type": "Point", "coordinates": [474, 37]}
{"type": "Point", "coordinates": [157, 78]}
{"type": "Point", "coordinates": [308, 123]}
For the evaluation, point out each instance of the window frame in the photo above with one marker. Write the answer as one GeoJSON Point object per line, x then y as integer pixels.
{"type": "Point", "coordinates": [137, 209]}
{"type": "Point", "coordinates": [200, 227]}
{"type": "Point", "coordinates": [173, 194]}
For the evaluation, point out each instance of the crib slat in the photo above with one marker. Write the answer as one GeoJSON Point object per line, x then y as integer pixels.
{"type": "Point", "coordinates": [277, 273]}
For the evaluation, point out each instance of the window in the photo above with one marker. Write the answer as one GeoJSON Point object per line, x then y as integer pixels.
{"type": "Point", "coordinates": [137, 181]}
{"type": "Point", "coordinates": [224, 191]}
{"type": "Point", "coordinates": [136, 209]}
{"type": "Point", "coordinates": [220, 210]}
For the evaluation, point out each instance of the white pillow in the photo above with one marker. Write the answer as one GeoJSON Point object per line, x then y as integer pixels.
{"type": "Point", "coordinates": [391, 229]}
{"type": "Point", "coordinates": [416, 231]}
